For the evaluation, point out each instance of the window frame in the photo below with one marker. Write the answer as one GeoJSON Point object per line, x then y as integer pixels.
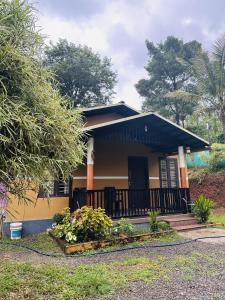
{"type": "Point", "coordinates": [56, 191]}
{"type": "Point", "coordinates": [168, 159]}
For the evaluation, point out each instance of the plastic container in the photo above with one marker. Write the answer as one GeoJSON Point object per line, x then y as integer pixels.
{"type": "Point", "coordinates": [16, 230]}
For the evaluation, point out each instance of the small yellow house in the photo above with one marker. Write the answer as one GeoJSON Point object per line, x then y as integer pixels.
{"type": "Point", "coordinates": [135, 163]}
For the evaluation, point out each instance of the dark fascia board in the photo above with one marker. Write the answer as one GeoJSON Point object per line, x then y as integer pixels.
{"type": "Point", "coordinates": [186, 133]}
{"type": "Point", "coordinates": [120, 108]}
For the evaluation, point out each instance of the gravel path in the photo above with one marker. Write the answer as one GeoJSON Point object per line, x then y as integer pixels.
{"type": "Point", "coordinates": [207, 282]}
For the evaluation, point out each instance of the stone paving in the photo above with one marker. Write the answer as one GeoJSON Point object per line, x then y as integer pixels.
{"type": "Point", "coordinates": [206, 232]}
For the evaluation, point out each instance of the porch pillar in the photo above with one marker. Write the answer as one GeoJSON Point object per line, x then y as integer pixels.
{"type": "Point", "coordinates": [183, 167]}
{"type": "Point", "coordinates": [90, 163]}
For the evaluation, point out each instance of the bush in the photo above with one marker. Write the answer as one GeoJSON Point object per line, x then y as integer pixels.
{"type": "Point", "coordinates": [83, 225]}
{"type": "Point", "coordinates": [216, 158]}
{"type": "Point", "coordinates": [91, 224]}
{"type": "Point", "coordinates": [58, 218]}
{"type": "Point", "coordinates": [67, 228]}
{"type": "Point", "coordinates": [163, 226]}
{"type": "Point", "coordinates": [153, 220]}
{"type": "Point", "coordinates": [202, 208]}
{"type": "Point", "coordinates": [122, 227]}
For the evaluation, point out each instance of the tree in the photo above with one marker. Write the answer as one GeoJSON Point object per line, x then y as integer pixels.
{"type": "Point", "coordinates": [84, 78]}
{"type": "Point", "coordinates": [206, 125]}
{"type": "Point", "coordinates": [211, 79]}
{"type": "Point", "coordinates": [167, 76]}
{"type": "Point", "coordinates": [39, 137]}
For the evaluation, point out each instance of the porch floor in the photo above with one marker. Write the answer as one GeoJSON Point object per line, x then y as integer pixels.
{"type": "Point", "coordinates": [145, 219]}
{"type": "Point", "coordinates": [178, 222]}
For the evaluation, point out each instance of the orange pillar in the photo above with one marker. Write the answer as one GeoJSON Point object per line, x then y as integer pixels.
{"type": "Point", "coordinates": [90, 163]}
{"type": "Point", "coordinates": [183, 167]}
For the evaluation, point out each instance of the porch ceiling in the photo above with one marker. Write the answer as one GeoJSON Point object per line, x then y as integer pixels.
{"type": "Point", "coordinates": [149, 129]}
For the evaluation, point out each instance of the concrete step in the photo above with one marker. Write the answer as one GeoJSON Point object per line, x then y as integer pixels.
{"type": "Point", "coordinates": [175, 216]}
{"type": "Point", "coordinates": [189, 227]}
{"type": "Point", "coordinates": [182, 222]}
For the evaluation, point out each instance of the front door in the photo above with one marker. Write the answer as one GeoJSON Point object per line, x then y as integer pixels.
{"type": "Point", "coordinates": [138, 172]}
{"type": "Point", "coordinates": [138, 183]}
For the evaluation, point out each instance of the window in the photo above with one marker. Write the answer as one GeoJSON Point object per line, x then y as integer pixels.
{"type": "Point", "coordinates": [168, 170]}
{"type": "Point", "coordinates": [57, 188]}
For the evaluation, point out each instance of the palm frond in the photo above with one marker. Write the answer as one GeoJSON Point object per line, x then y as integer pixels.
{"type": "Point", "coordinates": [207, 79]}
{"type": "Point", "coordinates": [219, 50]}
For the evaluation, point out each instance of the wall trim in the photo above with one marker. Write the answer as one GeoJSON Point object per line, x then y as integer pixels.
{"type": "Point", "coordinates": [110, 177]}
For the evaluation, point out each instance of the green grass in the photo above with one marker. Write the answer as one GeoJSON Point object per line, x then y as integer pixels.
{"type": "Point", "coordinates": [27, 281]}
{"type": "Point", "coordinates": [217, 218]}
{"type": "Point", "coordinates": [41, 241]}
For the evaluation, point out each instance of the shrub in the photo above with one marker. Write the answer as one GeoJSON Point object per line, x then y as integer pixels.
{"type": "Point", "coordinates": [83, 225]}
{"type": "Point", "coordinates": [153, 220]}
{"type": "Point", "coordinates": [163, 226]}
{"type": "Point", "coordinates": [202, 208]}
{"type": "Point", "coordinates": [91, 224]}
{"type": "Point", "coordinates": [122, 227]}
{"type": "Point", "coordinates": [216, 159]}
{"type": "Point", "coordinates": [67, 228]}
{"type": "Point", "coordinates": [58, 218]}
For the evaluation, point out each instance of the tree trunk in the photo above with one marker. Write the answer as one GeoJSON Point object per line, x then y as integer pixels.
{"type": "Point", "coordinates": [223, 122]}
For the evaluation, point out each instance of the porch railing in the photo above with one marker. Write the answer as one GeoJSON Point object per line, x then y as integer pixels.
{"type": "Point", "coordinates": [131, 203]}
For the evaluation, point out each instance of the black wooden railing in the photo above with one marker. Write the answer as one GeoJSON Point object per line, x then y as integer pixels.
{"type": "Point", "coordinates": [130, 203]}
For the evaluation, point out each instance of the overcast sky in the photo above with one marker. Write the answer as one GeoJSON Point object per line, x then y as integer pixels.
{"type": "Point", "coordinates": [118, 29]}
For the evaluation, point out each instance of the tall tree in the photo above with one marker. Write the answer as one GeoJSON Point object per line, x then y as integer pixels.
{"type": "Point", "coordinates": [84, 78]}
{"type": "Point", "coordinates": [166, 76]}
{"type": "Point", "coordinates": [39, 137]}
{"type": "Point", "coordinates": [211, 79]}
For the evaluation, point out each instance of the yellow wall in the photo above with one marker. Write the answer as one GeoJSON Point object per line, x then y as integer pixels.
{"type": "Point", "coordinates": [38, 209]}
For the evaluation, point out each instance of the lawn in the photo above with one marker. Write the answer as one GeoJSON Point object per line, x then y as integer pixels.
{"type": "Point", "coordinates": [107, 275]}
{"type": "Point", "coordinates": [26, 281]}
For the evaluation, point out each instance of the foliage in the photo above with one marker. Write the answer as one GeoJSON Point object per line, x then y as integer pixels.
{"type": "Point", "coordinates": [197, 174]}
{"type": "Point", "coordinates": [154, 224]}
{"type": "Point", "coordinates": [210, 74]}
{"type": "Point", "coordinates": [58, 218]}
{"type": "Point", "coordinates": [123, 227]}
{"type": "Point", "coordinates": [202, 208]}
{"type": "Point", "coordinates": [83, 225]}
{"type": "Point", "coordinates": [91, 224]}
{"type": "Point", "coordinates": [67, 228]}
{"type": "Point", "coordinates": [39, 137]}
{"type": "Point", "coordinates": [168, 79]}
{"type": "Point", "coordinates": [84, 78]}
{"type": "Point", "coordinates": [163, 226]}
{"type": "Point", "coordinates": [206, 125]}
{"type": "Point", "coordinates": [216, 159]}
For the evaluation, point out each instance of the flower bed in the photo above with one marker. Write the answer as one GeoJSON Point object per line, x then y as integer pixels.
{"type": "Point", "coordinates": [88, 228]}
{"type": "Point", "coordinates": [79, 247]}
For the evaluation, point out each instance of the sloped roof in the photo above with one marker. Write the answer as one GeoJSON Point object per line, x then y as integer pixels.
{"type": "Point", "coordinates": [119, 108]}
{"type": "Point", "coordinates": [161, 134]}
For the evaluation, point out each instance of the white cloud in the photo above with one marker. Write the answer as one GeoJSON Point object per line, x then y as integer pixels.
{"type": "Point", "coordinates": [95, 32]}
{"type": "Point", "coordinates": [140, 20]}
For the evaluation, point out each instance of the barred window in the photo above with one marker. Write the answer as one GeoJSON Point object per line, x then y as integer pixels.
{"type": "Point", "coordinates": [168, 170]}
{"type": "Point", "coordinates": [56, 188]}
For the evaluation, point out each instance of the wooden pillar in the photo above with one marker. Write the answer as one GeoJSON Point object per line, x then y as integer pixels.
{"type": "Point", "coordinates": [183, 167]}
{"type": "Point", "coordinates": [90, 163]}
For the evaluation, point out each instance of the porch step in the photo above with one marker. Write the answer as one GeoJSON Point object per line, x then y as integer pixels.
{"type": "Point", "coordinates": [183, 222]}
{"type": "Point", "coordinates": [189, 227]}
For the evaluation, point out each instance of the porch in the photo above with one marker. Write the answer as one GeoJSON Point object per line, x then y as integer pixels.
{"type": "Point", "coordinates": [135, 165]}
{"type": "Point", "coordinates": [133, 202]}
